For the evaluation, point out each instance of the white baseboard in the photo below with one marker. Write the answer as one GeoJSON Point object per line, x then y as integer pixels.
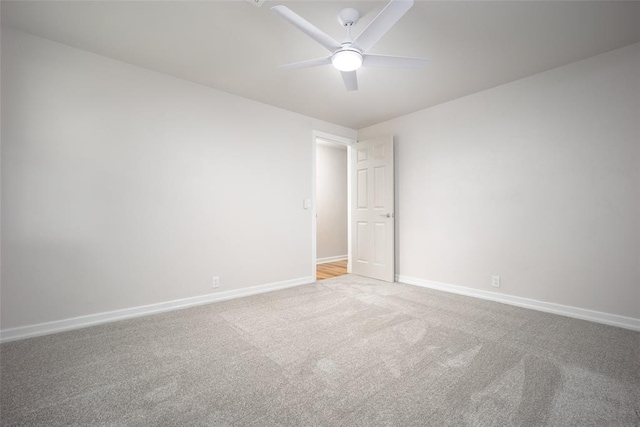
{"type": "Point", "coordinates": [564, 310]}
{"type": "Point", "coordinates": [127, 313]}
{"type": "Point", "coordinates": [331, 259]}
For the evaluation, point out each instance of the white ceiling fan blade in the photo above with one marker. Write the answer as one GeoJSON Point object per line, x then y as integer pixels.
{"type": "Point", "coordinates": [307, 64]}
{"type": "Point", "coordinates": [350, 79]}
{"type": "Point", "coordinates": [386, 19]}
{"type": "Point", "coordinates": [386, 61]}
{"type": "Point", "coordinates": [307, 27]}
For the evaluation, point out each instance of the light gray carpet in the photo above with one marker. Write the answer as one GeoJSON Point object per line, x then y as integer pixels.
{"type": "Point", "coordinates": [347, 351]}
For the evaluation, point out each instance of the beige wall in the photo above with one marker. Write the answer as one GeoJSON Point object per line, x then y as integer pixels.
{"type": "Point", "coordinates": [331, 201]}
{"type": "Point", "coordinates": [537, 181]}
{"type": "Point", "coordinates": [123, 187]}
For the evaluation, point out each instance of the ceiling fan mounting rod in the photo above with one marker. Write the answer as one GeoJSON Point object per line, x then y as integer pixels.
{"type": "Point", "coordinates": [349, 38]}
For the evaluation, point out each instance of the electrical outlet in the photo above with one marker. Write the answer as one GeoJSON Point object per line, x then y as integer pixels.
{"type": "Point", "coordinates": [495, 281]}
{"type": "Point", "coordinates": [216, 282]}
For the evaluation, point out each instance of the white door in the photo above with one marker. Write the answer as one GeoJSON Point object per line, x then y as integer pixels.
{"type": "Point", "coordinates": [372, 219]}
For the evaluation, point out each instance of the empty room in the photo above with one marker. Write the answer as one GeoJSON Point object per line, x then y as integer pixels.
{"type": "Point", "coordinates": [320, 213]}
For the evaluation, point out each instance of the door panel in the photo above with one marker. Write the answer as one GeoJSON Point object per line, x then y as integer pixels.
{"type": "Point", "coordinates": [378, 187]}
{"type": "Point", "coordinates": [362, 155]}
{"type": "Point", "coordinates": [379, 243]}
{"type": "Point", "coordinates": [373, 209]}
{"type": "Point", "coordinates": [362, 246]}
{"type": "Point", "coordinates": [362, 189]}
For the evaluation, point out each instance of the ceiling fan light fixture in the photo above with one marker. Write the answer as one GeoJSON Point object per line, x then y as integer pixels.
{"type": "Point", "coordinates": [347, 60]}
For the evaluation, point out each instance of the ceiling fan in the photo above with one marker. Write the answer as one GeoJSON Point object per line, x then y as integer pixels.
{"type": "Point", "coordinates": [351, 54]}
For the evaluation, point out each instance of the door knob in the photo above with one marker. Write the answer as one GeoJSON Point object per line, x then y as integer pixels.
{"type": "Point", "coordinates": [389, 215]}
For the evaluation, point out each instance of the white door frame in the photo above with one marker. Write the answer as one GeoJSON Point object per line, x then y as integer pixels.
{"type": "Point", "coordinates": [348, 142]}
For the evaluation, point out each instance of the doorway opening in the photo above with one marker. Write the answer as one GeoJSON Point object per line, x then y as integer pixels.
{"type": "Point", "coordinates": [331, 222]}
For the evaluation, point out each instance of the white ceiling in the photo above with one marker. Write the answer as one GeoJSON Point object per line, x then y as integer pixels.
{"type": "Point", "coordinates": [236, 47]}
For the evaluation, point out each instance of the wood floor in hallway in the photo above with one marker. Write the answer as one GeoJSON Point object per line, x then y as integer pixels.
{"type": "Point", "coordinates": [331, 269]}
